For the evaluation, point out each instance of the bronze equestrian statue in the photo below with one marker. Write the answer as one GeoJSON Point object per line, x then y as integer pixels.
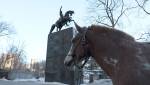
{"type": "Point", "coordinates": [63, 20]}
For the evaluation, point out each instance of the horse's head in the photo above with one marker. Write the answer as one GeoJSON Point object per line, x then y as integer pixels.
{"type": "Point", "coordinates": [79, 51]}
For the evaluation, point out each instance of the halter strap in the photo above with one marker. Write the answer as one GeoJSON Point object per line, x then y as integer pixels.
{"type": "Point", "coordinates": [85, 49]}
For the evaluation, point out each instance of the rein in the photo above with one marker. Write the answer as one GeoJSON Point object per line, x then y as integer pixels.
{"type": "Point", "coordinates": [84, 45]}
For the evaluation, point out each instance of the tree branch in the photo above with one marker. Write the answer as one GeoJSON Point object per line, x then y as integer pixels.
{"type": "Point", "coordinates": [142, 36]}
{"type": "Point", "coordinates": [142, 6]}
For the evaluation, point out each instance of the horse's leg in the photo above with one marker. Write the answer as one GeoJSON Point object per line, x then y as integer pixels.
{"type": "Point", "coordinates": [57, 29]}
{"type": "Point", "coordinates": [67, 24]}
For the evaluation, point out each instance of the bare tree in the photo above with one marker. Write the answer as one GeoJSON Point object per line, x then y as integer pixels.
{"type": "Point", "coordinates": [38, 68]}
{"type": "Point", "coordinates": [13, 58]}
{"type": "Point", "coordinates": [109, 12]}
{"type": "Point", "coordinates": [2, 61]}
{"type": "Point", "coordinates": [5, 29]}
{"type": "Point", "coordinates": [18, 55]}
{"type": "Point", "coordinates": [144, 36]}
{"type": "Point", "coordinates": [142, 5]}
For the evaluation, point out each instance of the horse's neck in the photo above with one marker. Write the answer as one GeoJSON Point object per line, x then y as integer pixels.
{"type": "Point", "coordinates": [107, 63]}
{"type": "Point", "coordinates": [107, 54]}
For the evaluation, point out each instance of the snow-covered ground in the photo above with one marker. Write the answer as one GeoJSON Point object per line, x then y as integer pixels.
{"type": "Point", "coordinates": [28, 82]}
{"type": "Point", "coordinates": [101, 82]}
{"type": "Point", "coordinates": [41, 82]}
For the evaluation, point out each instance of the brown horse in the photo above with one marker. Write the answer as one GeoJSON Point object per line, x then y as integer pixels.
{"type": "Point", "coordinates": [124, 60]}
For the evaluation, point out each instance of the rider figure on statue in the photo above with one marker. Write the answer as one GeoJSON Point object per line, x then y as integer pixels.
{"type": "Point", "coordinates": [63, 20]}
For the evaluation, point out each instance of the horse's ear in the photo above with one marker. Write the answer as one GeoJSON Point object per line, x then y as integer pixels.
{"type": "Point", "coordinates": [79, 29]}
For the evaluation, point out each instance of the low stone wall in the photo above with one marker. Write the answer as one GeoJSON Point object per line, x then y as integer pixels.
{"type": "Point", "coordinates": [20, 74]}
{"type": "Point", "coordinates": [4, 73]}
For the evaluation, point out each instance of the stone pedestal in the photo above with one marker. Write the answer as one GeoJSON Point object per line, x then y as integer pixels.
{"type": "Point", "coordinates": [57, 48]}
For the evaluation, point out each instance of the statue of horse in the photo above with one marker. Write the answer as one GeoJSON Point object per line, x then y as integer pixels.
{"type": "Point", "coordinates": [63, 20]}
{"type": "Point", "coordinates": [125, 61]}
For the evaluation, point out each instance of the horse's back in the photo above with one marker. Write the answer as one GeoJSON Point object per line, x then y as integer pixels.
{"type": "Point", "coordinates": [145, 50]}
{"type": "Point", "coordinates": [143, 63]}
{"type": "Point", "coordinates": [138, 72]}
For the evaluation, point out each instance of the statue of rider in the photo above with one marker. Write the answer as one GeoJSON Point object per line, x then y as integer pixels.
{"type": "Point", "coordinates": [63, 20]}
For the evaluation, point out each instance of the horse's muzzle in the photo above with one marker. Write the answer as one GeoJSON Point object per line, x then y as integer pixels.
{"type": "Point", "coordinates": [68, 61]}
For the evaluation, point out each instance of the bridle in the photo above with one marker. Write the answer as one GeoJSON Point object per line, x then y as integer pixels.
{"type": "Point", "coordinates": [86, 56]}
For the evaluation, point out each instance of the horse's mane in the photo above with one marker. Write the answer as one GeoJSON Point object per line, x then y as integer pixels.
{"type": "Point", "coordinates": [111, 31]}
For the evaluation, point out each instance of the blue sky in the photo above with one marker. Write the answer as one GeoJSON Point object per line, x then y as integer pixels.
{"type": "Point", "coordinates": [32, 20]}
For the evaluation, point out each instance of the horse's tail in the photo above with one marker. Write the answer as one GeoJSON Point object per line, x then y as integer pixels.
{"type": "Point", "coordinates": [52, 28]}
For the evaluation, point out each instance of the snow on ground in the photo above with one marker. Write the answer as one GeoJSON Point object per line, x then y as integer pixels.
{"type": "Point", "coordinates": [41, 82]}
{"type": "Point", "coordinates": [28, 82]}
{"type": "Point", "coordinates": [101, 82]}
